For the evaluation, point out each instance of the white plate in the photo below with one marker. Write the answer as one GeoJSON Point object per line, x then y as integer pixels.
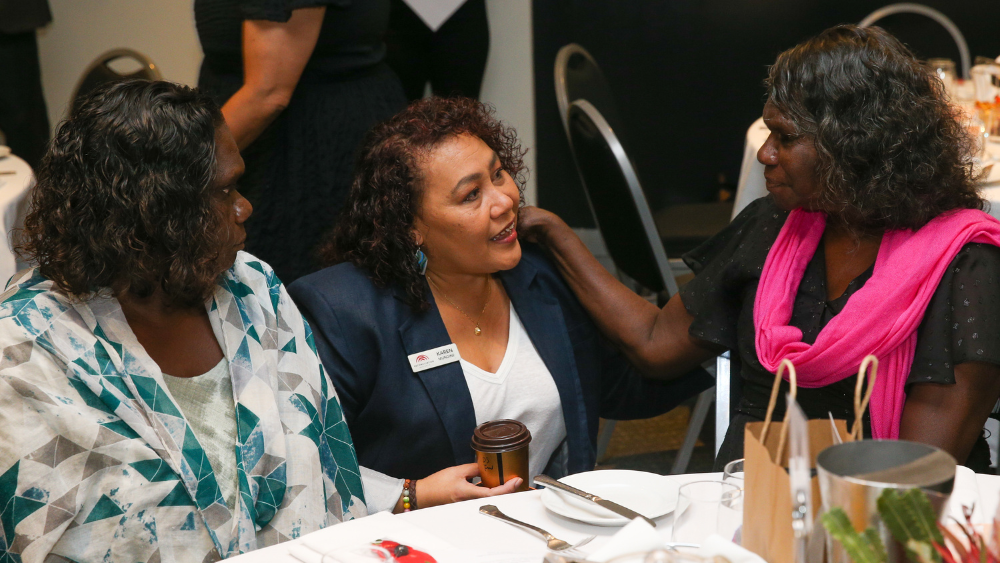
{"type": "Point", "coordinates": [648, 494]}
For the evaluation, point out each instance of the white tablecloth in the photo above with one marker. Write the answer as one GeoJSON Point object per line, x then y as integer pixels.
{"type": "Point", "coordinates": [462, 526]}
{"type": "Point", "coordinates": [751, 183]}
{"type": "Point", "coordinates": [14, 189]}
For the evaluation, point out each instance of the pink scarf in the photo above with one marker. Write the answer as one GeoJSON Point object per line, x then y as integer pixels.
{"type": "Point", "coordinates": [881, 318]}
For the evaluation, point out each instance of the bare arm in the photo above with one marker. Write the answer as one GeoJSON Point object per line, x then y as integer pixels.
{"type": "Point", "coordinates": [951, 417]}
{"type": "Point", "coordinates": [655, 340]}
{"type": "Point", "coordinates": [274, 56]}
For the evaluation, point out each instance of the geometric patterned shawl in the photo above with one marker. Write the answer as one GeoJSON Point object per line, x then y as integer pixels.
{"type": "Point", "coordinates": [97, 462]}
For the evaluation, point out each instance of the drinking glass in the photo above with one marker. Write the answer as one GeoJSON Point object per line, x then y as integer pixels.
{"type": "Point", "coordinates": [659, 556]}
{"type": "Point", "coordinates": [733, 473]}
{"type": "Point", "coordinates": [984, 77]}
{"type": "Point", "coordinates": [705, 508]}
{"type": "Point", "coordinates": [980, 134]}
{"type": "Point", "coordinates": [945, 70]}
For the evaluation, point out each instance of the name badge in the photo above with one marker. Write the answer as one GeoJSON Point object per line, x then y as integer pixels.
{"type": "Point", "coordinates": [433, 358]}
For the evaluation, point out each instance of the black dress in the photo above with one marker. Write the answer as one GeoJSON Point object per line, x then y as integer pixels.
{"type": "Point", "coordinates": [298, 172]}
{"type": "Point", "coordinates": [24, 119]}
{"type": "Point", "coordinates": [961, 324]}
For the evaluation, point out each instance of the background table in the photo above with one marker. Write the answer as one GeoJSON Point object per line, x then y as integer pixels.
{"type": "Point", "coordinates": [462, 525]}
{"type": "Point", "coordinates": [14, 189]}
{"type": "Point", "coordinates": [751, 183]}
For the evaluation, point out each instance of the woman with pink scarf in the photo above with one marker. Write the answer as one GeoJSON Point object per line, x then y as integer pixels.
{"type": "Point", "coordinates": [872, 240]}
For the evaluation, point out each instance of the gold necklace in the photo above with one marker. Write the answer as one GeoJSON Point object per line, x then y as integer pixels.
{"type": "Point", "coordinates": [489, 292]}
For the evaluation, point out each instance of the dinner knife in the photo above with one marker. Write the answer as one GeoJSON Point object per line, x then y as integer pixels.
{"type": "Point", "coordinates": [612, 506]}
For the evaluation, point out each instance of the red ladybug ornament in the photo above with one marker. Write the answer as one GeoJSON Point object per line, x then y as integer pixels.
{"type": "Point", "coordinates": [404, 553]}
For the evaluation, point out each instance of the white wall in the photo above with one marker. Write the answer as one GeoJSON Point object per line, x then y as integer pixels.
{"type": "Point", "coordinates": [83, 29]}
{"type": "Point", "coordinates": [164, 30]}
{"type": "Point", "coordinates": [509, 83]}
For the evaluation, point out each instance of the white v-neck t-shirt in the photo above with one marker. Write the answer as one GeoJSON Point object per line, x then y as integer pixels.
{"type": "Point", "coordinates": [522, 389]}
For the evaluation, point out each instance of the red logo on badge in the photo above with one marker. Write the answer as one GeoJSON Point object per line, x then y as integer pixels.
{"type": "Point", "coordinates": [422, 358]}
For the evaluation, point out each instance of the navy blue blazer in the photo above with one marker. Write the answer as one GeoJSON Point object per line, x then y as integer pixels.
{"type": "Point", "coordinates": [409, 424]}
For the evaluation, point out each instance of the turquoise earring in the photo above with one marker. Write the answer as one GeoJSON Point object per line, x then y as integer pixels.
{"type": "Point", "coordinates": [421, 261]}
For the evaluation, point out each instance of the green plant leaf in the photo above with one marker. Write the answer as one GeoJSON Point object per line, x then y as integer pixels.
{"type": "Point", "coordinates": [921, 552]}
{"type": "Point", "coordinates": [871, 536]}
{"type": "Point", "coordinates": [866, 548]}
{"type": "Point", "coordinates": [911, 519]}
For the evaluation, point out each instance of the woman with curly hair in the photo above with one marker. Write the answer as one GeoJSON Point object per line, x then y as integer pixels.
{"type": "Point", "coordinates": [427, 257]}
{"type": "Point", "coordinates": [136, 227]}
{"type": "Point", "coordinates": [871, 241]}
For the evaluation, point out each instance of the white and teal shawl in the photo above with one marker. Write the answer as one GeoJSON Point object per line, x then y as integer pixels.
{"type": "Point", "coordinates": [97, 463]}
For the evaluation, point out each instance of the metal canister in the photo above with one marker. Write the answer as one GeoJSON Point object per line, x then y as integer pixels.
{"type": "Point", "coordinates": [853, 475]}
{"type": "Point", "coordinates": [501, 448]}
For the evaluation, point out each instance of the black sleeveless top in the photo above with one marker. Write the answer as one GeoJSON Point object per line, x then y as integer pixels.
{"type": "Point", "coordinates": [961, 324]}
{"type": "Point", "coordinates": [351, 39]}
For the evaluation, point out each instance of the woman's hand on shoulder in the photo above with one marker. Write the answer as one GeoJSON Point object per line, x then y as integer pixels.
{"type": "Point", "coordinates": [535, 224]}
{"type": "Point", "coordinates": [452, 485]}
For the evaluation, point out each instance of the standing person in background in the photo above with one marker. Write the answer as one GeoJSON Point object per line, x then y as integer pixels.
{"type": "Point", "coordinates": [24, 120]}
{"type": "Point", "coordinates": [301, 82]}
{"type": "Point", "coordinates": [451, 56]}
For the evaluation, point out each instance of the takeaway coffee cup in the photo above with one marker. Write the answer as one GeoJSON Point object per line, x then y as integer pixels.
{"type": "Point", "coordinates": [501, 448]}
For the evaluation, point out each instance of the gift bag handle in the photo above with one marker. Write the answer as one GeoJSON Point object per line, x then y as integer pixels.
{"type": "Point", "coordinates": [861, 403]}
{"type": "Point", "coordinates": [793, 390]}
{"type": "Point", "coordinates": [860, 400]}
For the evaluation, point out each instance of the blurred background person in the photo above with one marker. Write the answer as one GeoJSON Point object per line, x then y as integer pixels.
{"type": "Point", "coordinates": [24, 120]}
{"type": "Point", "coordinates": [451, 56]}
{"type": "Point", "coordinates": [300, 83]}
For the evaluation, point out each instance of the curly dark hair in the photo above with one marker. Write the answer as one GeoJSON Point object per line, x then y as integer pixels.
{"type": "Point", "coordinates": [892, 151]}
{"type": "Point", "coordinates": [122, 200]}
{"type": "Point", "coordinates": [374, 230]}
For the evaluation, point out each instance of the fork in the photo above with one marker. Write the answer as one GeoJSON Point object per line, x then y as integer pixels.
{"type": "Point", "coordinates": [554, 543]}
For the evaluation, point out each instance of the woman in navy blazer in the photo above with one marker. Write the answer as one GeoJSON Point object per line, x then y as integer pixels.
{"type": "Point", "coordinates": [373, 312]}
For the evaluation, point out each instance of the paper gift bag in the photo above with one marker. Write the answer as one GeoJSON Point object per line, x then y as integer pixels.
{"type": "Point", "coordinates": [767, 506]}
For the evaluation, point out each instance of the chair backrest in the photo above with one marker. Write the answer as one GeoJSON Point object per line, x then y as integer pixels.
{"type": "Point", "coordinates": [100, 72]}
{"type": "Point", "coordinates": [617, 200]}
{"type": "Point", "coordinates": [578, 77]}
{"type": "Point", "coordinates": [910, 8]}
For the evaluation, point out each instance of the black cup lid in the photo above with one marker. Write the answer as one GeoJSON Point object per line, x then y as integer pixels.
{"type": "Point", "coordinates": [500, 436]}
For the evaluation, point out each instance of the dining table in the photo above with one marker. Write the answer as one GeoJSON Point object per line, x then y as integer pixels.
{"type": "Point", "coordinates": [751, 182]}
{"type": "Point", "coordinates": [459, 532]}
{"type": "Point", "coordinates": [16, 181]}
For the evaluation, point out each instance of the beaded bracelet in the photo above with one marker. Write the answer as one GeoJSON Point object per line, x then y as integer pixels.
{"type": "Point", "coordinates": [409, 495]}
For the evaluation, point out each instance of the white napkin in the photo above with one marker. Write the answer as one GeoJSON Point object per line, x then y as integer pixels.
{"type": "Point", "coordinates": [636, 537]}
{"type": "Point", "coordinates": [965, 493]}
{"type": "Point", "coordinates": [302, 553]}
{"type": "Point", "coordinates": [355, 535]}
{"type": "Point", "coordinates": [718, 546]}
{"type": "Point", "coordinates": [480, 557]}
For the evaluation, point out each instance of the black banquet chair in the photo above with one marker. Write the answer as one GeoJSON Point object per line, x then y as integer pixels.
{"type": "Point", "coordinates": [681, 227]}
{"type": "Point", "coordinates": [100, 71]}
{"type": "Point", "coordinates": [579, 77]}
{"type": "Point", "coordinates": [619, 205]}
{"type": "Point", "coordinates": [616, 199]}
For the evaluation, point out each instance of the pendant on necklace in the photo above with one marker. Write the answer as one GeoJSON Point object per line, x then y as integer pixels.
{"type": "Point", "coordinates": [479, 332]}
